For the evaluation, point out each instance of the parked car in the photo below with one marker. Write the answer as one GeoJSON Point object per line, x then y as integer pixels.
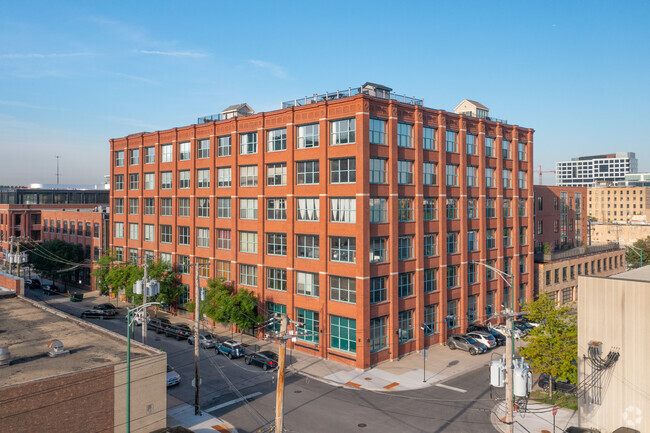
{"type": "Point", "coordinates": [109, 308]}
{"type": "Point", "coordinates": [501, 340]}
{"type": "Point", "coordinates": [206, 340]}
{"type": "Point", "coordinates": [265, 359]}
{"type": "Point", "coordinates": [474, 328]}
{"type": "Point", "coordinates": [560, 385]}
{"type": "Point", "coordinates": [179, 330]}
{"type": "Point", "coordinates": [95, 313]}
{"type": "Point", "coordinates": [501, 329]}
{"type": "Point", "coordinates": [528, 322]}
{"type": "Point", "coordinates": [467, 344]}
{"type": "Point", "coordinates": [230, 348]}
{"type": "Point", "coordinates": [173, 378]}
{"type": "Point", "coordinates": [484, 338]}
{"type": "Point", "coordinates": [52, 289]}
{"type": "Point", "coordinates": [158, 324]}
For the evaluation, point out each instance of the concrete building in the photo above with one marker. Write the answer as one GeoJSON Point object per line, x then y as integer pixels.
{"type": "Point", "coordinates": [635, 179]}
{"type": "Point", "coordinates": [619, 203]}
{"type": "Point", "coordinates": [560, 217]}
{"type": "Point", "coordinates": [609, 313]}
{"type": "Point", "coordinates": [589, 170]}
{"type": "Point", "coordinates": [358, 215]}
{"type": "Point", "coordinates": [623, 233]}
{"type": "Point", "coordinates": [83, 390]}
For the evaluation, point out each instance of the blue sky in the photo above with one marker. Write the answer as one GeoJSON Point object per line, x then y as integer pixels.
{"type": "Point", "coordinates": [75, 74]}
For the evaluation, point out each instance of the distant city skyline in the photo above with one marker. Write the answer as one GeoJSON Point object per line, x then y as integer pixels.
{"type": "Point", "coordinates": [74, 75]}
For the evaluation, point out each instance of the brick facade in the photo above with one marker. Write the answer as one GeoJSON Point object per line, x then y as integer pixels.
{"type": "Point", "coordinates": [560, 217]}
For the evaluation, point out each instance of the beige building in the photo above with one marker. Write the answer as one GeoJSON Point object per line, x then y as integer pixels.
{"type": "Point", "coordinates": [611, 314]}
{"type": "Point", "coordinates": [557, 273]}
{"type": "Point", "coordinates": [625, 234]}
{"type": "Point", "coordinates": [83, 390]}
{"type": "Point", "coordinates": [618, 203]}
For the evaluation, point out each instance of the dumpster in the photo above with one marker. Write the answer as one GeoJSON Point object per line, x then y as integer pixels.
{"type": "Point", "coordinates": [76, 297]}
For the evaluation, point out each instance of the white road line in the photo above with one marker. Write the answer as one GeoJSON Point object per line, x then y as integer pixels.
{"type": "Point", "coordinates": [237, 400]}
{"type": "Point", "coordinates": [453, 388]}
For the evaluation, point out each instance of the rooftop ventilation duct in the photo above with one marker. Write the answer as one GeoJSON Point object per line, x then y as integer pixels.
{"type": "Point", "coordinates": [56, 349]}
{"type": "Point", "coordinates": [5, 355]}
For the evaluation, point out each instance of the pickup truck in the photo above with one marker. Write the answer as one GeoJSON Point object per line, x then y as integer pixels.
{"type": "Point", "coordinates": [159, 325]}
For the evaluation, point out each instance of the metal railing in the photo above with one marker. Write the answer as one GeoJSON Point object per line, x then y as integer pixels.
{"type": "Point", "coordinates": [350, 91]}
{"type": "Point", "coordinates": [488, 118]}
{"type": "Point", "coordinates": [208, 119]}
{"type": "Point", "coordinates": [575, 252]}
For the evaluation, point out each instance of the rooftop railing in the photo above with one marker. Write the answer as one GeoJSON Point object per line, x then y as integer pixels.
{"type": "Point", "coordinates": [208, 119]}
{"type": "Point", "coordinates": [576, 252]}
{"type": "Point", "coordinates": [350, 91]}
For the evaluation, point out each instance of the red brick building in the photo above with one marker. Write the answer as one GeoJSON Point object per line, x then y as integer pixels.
{"type": "Point", "coordinates": [560, 217]}
{"type": "Point", "coordinates": [358, 215]}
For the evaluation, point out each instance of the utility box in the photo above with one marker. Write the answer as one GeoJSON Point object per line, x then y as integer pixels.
{"type": "Point", "coordinates": [498, 373]}
{"type": "Point", "coordinates": [522, 378]}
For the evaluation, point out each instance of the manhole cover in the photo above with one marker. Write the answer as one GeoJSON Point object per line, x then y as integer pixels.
{"type": "Point", "coordinates": [297, 391]}
{"type": "Point", "coordinates": [362, 425]}
{"type": "Point", "coordinates": [368, 378]}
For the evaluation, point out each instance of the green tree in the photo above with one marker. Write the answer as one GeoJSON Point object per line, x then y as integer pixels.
{"type": "Point", "coordinates": [633, 257]}
{"type": "Point", "coordinates": [122, 276]}
{"type": "Point", "coordinates": [552, 348]}
{"type": "Point", "coordinates": [170, 288]}
{"type": "Point", "coordinates": [103, 267]}
{"type": "Point", "coordinates": [56, 258]}
{"type": "Point", "coordinates": [224, 304]}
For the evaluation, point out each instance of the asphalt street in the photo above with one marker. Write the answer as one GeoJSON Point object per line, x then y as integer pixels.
{"type": "Point", "coordinates": [462, 405]}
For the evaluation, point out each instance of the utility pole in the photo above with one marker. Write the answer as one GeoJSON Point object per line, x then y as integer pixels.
{"type": "Point", "coordinates": [197, 342]}
{"type": "Point", "coordinates": [18, 258]}
{"type": "Point", "coordinates": [11, 254]}
{"type": "Point", "coordinates": [279, 395]}
{"type": "Point", "coordinates": [144, 301]}
{"type": "Point", "coordinates": [510, 347]}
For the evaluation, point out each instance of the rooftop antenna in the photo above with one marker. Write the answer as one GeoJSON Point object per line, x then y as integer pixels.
{"type": "Point", "coordinates": [57, 168]}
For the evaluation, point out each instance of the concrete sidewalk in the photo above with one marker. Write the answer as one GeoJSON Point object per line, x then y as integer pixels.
{"type": "Point", "coordinates": [538, 418]}
{"type": "Point", "coordinates": [181, 414]}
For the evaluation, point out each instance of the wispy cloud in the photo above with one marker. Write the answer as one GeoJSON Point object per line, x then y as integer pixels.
{"type": "Point", "coordinates": [42, 56]}
{"type": "Point", "coordinates": [24, 105]}
{"type": "Point", "coordinates": [174, 53]}
{"type": "Point", "coordinates": [275, 70]}
{"type": "Point", "coordinates": [134, 78]}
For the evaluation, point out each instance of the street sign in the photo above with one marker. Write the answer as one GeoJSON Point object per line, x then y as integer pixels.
{"type": "Point", "coordinates": [554, 409]}
{"type": "Point", "coordinates": [425, 353]}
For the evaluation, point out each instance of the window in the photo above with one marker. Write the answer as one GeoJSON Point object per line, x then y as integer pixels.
{"type": "Point", "coordinates": [276, 279]}
{"type": "Point", "coordinates": [430, 280]}
{"type": "Point", "coordinates": [247, 175]}
{"type": "Point", "coordinates": [404, 135]}
{"type": "Point", "coordinates": [248, 275]}
{"type": "Point", "coordinates": [119, 158]}
{"type": "Point", "coordinates": [271, 310]}
{"type": "Point", "coordinates": [405, 247]}
{"type": "Point", "coordinates": [133, 206]}
{"type": "Point", "coordinates": [183, 207]}
{"type": "Point", "coordinates": [310, 322]}
{"type": "Point", "coordinates": [430, 211]}
{"type": "Point", "coordinates": [276, 209]}
{"type": "Point", "coordinates": [523, 184]}
{"type": "Point", "coordinates": [118, 229]}
{"type": "Point", "coordinates": [223, 146]}
{"type": "Point", "coordinates": [203, 148]}
{"type": "Point", "coordinates": [490, 180]}
{"type": "Point", "coordinates": [378, 334]}
{"type": "Point", "coordinates": [377, 131]}
{"type": "Point", "coordinates": [203, 178]}
{"type": "Point", "coordinates": [452, 208]}
{"type": "Point", "coordinates": [343, 170]}
{"type": "Point", "coordinates": [248, 143]}
{"type": "Point", "coordinates": [451, 143]}
{"type": "Point", "coordinates": [507, 178]}
{"type": "Point", "coordinates": [522, 151]}
{"type": "Point", "coordinates": [203, 266]}
{"type": "Point", "coordinates": [472, 315]}
{"type": "Point", "coordinates": [307, 209]}
{"type": "Point", "coordinates": [377, 167]}
{"type": "Point", "coordinates": [307, 136]}
{"type": "Point", "coordinates": [134, 156]}
{"type": "Point", "coordinates": [405, 172]}
{"type": "Point", "coordinates": [118, 205]}
{"type": "Point", "coordinates": [166, 153]}
{"type": "Point", "coordinates": [472, 172]}
{"type": "Point", "coordinates": [183, 235]}
{"type": "Point", "coordinates": [405, 322]}
{"type": "Point", "coordinates": [307, 172]}
{"type": "Point", "coordinates": [223, 207]}
{"type": "Point", "coordinates": [165, 234]}
{"type": "Point", "coordinates": [470, 140]}
{"type": "Point", "coordinates": [430, 319]}
{"type": "Point", "coordinates": [343, 249]}
{"type": "Point", "coordinates": [405, 284]}
{"type": "Point", "coordinates": [276, 174]}
{"type": "Point", "coordinates": [342, 131]}
{"type": "Point", "coordinates": [507, 265]}
{"type": "Point", "coordinates": [248, 208]}
{"type": "Point", "coordinates": [540, 227]}
{"type": "Point", "coordinates": [134, 181]}
{"type": "Point", "coordinates": [248, 242]}
{"type": "Point", "coordinates": [452, 175]}
{"type": "Point", "coordinates": [224, 177]}
{"type": "Point", "coordinates": [405, 209]}
{"type": "Point", "coordinates": [149, 155]}
{"type": "Point", "coordinates": [223, 239]}
{"type": "Point", "coordinates": [507, 237]}
{"type": "Point", "coordinates": [507, 208]}
{"type": "Point", "coordinates": [276, 244]}
{"type": "Point", "coordinates": [490, 208]}
{"type": "Point", "coordinates": [165, 180]}
{"type": "Point", "coordinates": [452, 276]}
{"type": "Point", "coordinates": [472, 240]}
{"type": "Point", "coordinates": [430, 244]}
{"type": "Point", "coordinates": [184, 151]}
{"type": "Point", "coordinates": [522, 207]}
{"type": "Point", "coordinates": [149, 235]}
{"type": "Point", "coordinates": [452, 317]}
{"type": "Point", "coordinates": [119, 254]}
{"type": "Point", "coordinates": [489, 146]}
{"type": "Point", "coordinates": [184, 179]}
{"type": "Point", "coordinates": [343, 334]}
{"type": "Point", "coordinates": [506, 149]}
{"type": "Point", "coordinates": [86, 230]}
{"type": "Point", "coordinates": [567, 295]}
{"type": "Point", "coordinates": [490, 274]}
{"type": "Point", "coordinates": [472, 273]}
{"type": "Point", "coordinates": [307, 246]}
{"type": "Point", "coordinates": [523, 266]}
{"type": "Point", "coordinates": [306, 283]}
{"type": "Point", "coordinates": [472, 208]}
{"type": "Point", "coordinates": [429, 138]}
{"type": "Point", "coordinates": [343, 289]}
{"type": "Point", "coordinates": [343, 210]}
{"type": "Point", "coordinates": [165, 207]}
{"type": "Point", "coordinates": [203, 237]}
{"type": "Point", "coordinates": [522, 236]}
{"type": "Point", "coordinates": [378, 250]}
{"type": "Point", "coordinates": [452, 242]}
{"type": "Point", "coordinates": [429, 169]}
{"type": "Point", "coordinates": [378, 289]}
{"type": "Point", "coordinates": [203, 207]}
{"type": "Point", "coordinates": [149, 181]}
{"type": "Point", "coordinates": [276, 140]}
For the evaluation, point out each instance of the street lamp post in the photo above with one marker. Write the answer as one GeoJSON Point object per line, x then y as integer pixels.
{"type": "Point", "coordinates": [638, 251]}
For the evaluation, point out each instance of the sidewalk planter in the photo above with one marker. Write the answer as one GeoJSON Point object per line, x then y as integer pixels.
{"type": "Point", "coordinates": [76, 297]}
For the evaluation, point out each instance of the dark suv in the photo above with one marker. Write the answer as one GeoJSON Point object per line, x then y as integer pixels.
{"type": "Point", "coordinates": [179, 331]}
{"type": "Point", "coordinates": [158, 325]}
{"type": "Point", "coordinates": [560, 385]}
